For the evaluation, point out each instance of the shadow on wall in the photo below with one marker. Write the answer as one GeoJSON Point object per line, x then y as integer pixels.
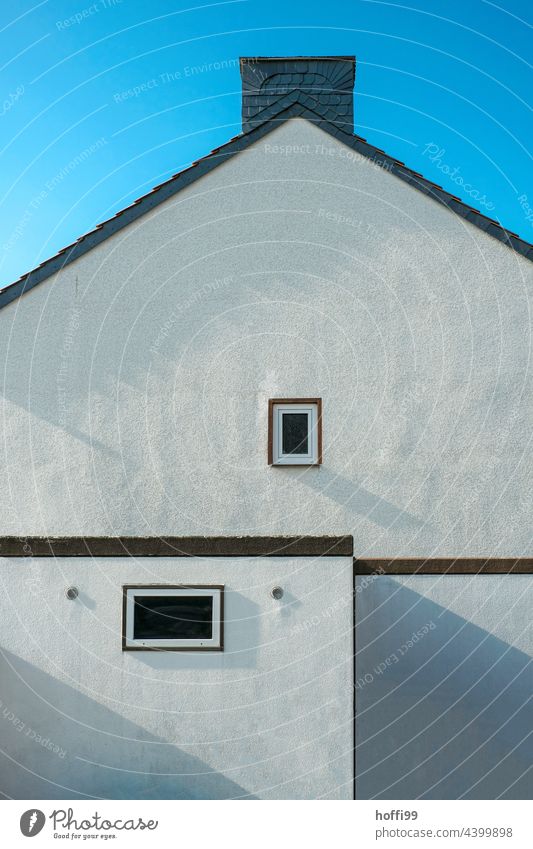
{"type": "Point", "coordinates": [87, 750]}
{"type": "Point", "coordinates": [358, 500]}
{"type": "Point", "coordinates": [442, 715]}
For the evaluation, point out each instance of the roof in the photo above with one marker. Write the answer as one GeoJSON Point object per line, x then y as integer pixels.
{"type": "Point", "coordinates": [293, 105]}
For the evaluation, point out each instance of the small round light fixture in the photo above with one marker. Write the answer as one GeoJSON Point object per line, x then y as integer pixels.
{"type": "Point", "coordinates": [277, 593]}
{"type": "Point", "coordinates": [72, 593]}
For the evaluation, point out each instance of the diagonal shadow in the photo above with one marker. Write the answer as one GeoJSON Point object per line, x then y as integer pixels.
{"type": "Point", "coordinates": [447, 717]}
{"type": "Point", "coordinates": [136, 759]}
{"type": "Point", "coordinates": [357, 499]}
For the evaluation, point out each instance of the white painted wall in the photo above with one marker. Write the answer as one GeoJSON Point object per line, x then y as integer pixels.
{"type": "Point", "coordinates": [269, 717]}
{"type": "Point", "coordinates": [443, 687]}
{"type": "Point", "coordinates": [134, 396]}
{"type": "Point", "coordinates": [136, 382]}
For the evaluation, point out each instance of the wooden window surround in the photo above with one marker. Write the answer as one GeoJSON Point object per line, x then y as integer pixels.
{"type": "Point", "coordinates": [296, 441]}
{"type": "Point", "coordinates": [162, 617]}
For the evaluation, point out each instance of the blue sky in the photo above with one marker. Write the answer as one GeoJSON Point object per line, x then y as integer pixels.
{"type": "Point", "coordinates": [442, 85]}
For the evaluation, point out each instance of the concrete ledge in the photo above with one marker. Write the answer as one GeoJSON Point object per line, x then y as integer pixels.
{"type": "Point", "coordinates": [277, 546]}
{"type": "Point", "coordinates": [446, 566]}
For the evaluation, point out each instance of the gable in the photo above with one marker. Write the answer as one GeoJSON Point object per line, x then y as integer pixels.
{"type": "Point", "coordinates": [340, 198]}
{"type": "Point", "coordinates": [292, 105]}
{"type": "Point", "coordinates": [137, 379]}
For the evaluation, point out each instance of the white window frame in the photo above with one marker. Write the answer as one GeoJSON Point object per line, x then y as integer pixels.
{"type": "Point", "coordinates": [280, 459]}
{"type": "Point", "coordinates": [214, 644]}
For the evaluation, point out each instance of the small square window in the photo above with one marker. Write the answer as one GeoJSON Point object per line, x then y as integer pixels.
{"type": "Point", "coordinates": [295, 432]}
{"type": "Point", "coordinates": [184, 618]}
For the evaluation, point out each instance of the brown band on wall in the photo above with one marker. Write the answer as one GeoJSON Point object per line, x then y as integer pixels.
{"type": "Point", "coordinates": [446, 566]}
{"type": "Point", "coordinates": [276, 546]}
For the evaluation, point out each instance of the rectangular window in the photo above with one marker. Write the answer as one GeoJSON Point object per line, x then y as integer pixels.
{"type": "Point", "coordinates": [295, 432]}
{"type": "Point", "coordinates": [183, 618]}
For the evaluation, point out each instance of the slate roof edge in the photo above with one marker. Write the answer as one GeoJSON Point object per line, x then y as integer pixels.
{"type": "Point", "coordinates": [270, 119]}
{"type": "Point", "coordinates": [245, 59]}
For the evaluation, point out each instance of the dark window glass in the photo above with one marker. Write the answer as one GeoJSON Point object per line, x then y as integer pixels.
{"type": "Point", "coordinates": [295, 433]}
{"type": "Point", "coordinates": [173, 617]}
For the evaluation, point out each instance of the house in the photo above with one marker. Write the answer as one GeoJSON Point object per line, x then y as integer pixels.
{"type": "Point", "coordinates": [288, 387]}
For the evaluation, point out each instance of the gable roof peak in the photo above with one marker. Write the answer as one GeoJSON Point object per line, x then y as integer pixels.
{"type": "Point", "coordinates": [298, 103]}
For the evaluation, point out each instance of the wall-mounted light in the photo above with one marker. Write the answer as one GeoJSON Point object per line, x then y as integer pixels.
{"type": "Point", "coordinates": [277, 593]}
{"type": "Point", "coordinates": [72, 593]}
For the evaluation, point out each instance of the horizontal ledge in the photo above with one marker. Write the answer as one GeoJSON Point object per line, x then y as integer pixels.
{"type": "Point", "coordinates": [446, 566]}
{"type": "Point", "coordinates": [277, 546]}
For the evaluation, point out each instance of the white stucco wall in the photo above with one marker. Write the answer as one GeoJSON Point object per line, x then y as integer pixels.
{"type": "Point", "coordinates": [136, 382]}
{"type": "Point", "coordinates": [134, 399]}
{"type": "Point", "coordinates": [443, 687]}
{"type": "Point", "coordinates": [269, 717]}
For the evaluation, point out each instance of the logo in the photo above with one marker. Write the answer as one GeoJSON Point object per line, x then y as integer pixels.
{"type": "Point", "coordinates": [32, 822]}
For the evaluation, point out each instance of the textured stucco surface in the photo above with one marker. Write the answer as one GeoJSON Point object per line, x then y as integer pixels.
{"type": "Point", "coordinates": [136, 381]}
{"type": "Point", "coordinates": [443, 687]}
{"type": "Point", "coordinates": [134, 401]}
{"type": "Point", "coordinates": [270, 717]}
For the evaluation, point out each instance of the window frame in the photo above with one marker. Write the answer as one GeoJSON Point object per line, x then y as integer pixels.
{"type": "Point", "coordinates": [129, 643]}
{"type": "Point", "coordinates": [275, 417]}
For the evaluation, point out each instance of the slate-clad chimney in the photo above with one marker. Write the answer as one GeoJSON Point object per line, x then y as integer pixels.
{"type": "Point", "coordinates": [323, 84]}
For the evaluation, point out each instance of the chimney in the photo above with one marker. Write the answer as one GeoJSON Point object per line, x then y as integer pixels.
{"type": "Point", "coordinates": [322, 84]}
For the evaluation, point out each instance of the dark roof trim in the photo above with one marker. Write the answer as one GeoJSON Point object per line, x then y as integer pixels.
{"type": "Point", "coordinates": [277, 546]}
{"type": "Point", "coordinates": [290, 106]}
{"type": "Point", "coordinates": [446, 566]}
{"type": "Point", "coordinates": [245, 60]}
